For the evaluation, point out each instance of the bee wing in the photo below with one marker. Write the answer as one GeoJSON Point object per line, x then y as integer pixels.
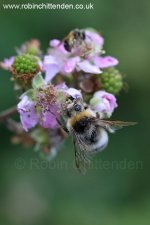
{"type": "Point", "coordinates": [112, 126]}
{"type": "Point", "coordinates": [82, 158]}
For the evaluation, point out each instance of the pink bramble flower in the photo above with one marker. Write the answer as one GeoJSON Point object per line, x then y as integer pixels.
{"type": "Point", "coordinates": [104, 103]}
{"type": "Point", "coordinates": [42, 104]}
{"type": "Point", "coordinates": [32, 113]}
{"type": "Point", "coordinates": [61, 61]}
{"type": "Point", "coordinates": [85, 56]}
{"type": "Point", "coordinates": [37, 105]}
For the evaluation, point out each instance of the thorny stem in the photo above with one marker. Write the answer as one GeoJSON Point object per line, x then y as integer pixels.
{"type": "Point", "coordinates": [11, 124]}
{"type": "Point", "coordinates": [7, 113]}
{"type": "Point", "coordinates": [14, 126]}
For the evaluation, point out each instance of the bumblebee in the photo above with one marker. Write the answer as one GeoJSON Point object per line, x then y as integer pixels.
{"type": "Point", "coordinates": [89, 132]}
{"type": "Point", "coordinates": [74, 39]}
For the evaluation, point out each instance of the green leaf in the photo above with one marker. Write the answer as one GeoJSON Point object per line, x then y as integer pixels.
{"type": "Point", "coordinates": [38, 81]}
{"type": "Point", "coordinates": [30, 93]}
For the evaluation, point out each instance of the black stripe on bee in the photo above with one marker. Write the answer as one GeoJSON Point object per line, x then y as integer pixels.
{"type": "Point", "coordinates": [82, 124]}
{"type": "Point", "coordinates": [91, 138]}
{"type": "Point", "coordinates": [83, 35]}
{"type": "Point", "coordinates": [67, 46]}
{"type": "Point", "coordinates": [78, 34]}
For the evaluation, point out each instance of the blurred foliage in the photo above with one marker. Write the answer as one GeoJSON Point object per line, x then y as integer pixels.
{"type": "Point", "coordinates": [40, 193]}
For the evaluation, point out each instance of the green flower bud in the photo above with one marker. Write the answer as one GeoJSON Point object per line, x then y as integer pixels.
{"type": "Point", "coordinates": [24, 69]}
{"type": "Point", "coordinates": [111, 80]}
{"type": "Point", "coordinates": [25, 62]}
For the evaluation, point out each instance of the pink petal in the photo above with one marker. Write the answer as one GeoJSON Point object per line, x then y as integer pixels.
{"type": "Point", "coordinates": [6, 65]}
{"type": "Point", "coordinates": [87, 67]}
{"type": "Point", "coordinates": [51, 72]}
{"type": "Point", "coordinates": [48, 119]}
{"type": "Point", "coordinates": [105, 62]}
{"type": "Point", "coordinates": [54, 42]}
{"type": "Point", "coordinates": [70, 64]}
{"type": "Point", "coordinates": [61, 86]}
{"type": "Point", "coordinates": [58, 45]}
{"type": "Point", "coordinates": [73, 92]}
{"type": "Point", "coordinates": [95, 37]}
{"type": "Point", "coordinates": [51, 67]}
{"type": "Point", "coordinates": [27, 111]}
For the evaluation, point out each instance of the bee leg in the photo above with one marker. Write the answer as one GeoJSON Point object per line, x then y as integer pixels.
{"type": "Point", "coordinates": [97, 115]}
{"type": "Point", "coordinates": [62, 126]}
{"type": "Point", "coordinates": [59, 122]}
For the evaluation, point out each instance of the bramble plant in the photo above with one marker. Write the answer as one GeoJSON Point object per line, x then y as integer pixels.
{"type": "Point", "coordinates": [75, 67]}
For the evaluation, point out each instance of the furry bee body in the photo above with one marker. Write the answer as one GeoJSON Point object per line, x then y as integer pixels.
{"type": "Point", "coordinates": [89, 132]}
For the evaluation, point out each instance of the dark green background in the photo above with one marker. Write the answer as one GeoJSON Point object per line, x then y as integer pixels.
{"type": "Point", "coordinates": [55, 195]}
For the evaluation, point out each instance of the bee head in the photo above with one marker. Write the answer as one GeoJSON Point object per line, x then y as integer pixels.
{"type": "Point", "coordinates": [74, 107]}
{"type": "Point", "coordinates": [77, 108]}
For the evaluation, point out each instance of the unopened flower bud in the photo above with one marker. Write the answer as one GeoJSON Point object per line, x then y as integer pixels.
{"type": "Point", "coordinates": [24, 69]}
{"type": "Point", "coordinates": [112, 80]}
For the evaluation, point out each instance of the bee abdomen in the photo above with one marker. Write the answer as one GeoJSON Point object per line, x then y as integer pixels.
{"type": "Point", "coordinates": [102, 141]}
{"type": "Point", "coordinates": [92, 137]}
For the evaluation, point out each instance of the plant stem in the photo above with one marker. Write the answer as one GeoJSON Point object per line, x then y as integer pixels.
{"type": "Point", "coordinates": [4, 115]}
{"type": "Point", "coordinates": [14, 126]}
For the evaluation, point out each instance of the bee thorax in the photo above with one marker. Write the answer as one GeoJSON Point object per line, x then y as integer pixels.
{"type": "Point", "coordinates": [81, 125]}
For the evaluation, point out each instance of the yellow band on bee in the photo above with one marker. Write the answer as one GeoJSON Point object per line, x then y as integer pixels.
{"type": "Point", "coordinates": [80, 115]}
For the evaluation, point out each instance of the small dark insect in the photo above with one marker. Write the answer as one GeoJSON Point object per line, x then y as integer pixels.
{"type": "Point", "coordinates": [74, 39]}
